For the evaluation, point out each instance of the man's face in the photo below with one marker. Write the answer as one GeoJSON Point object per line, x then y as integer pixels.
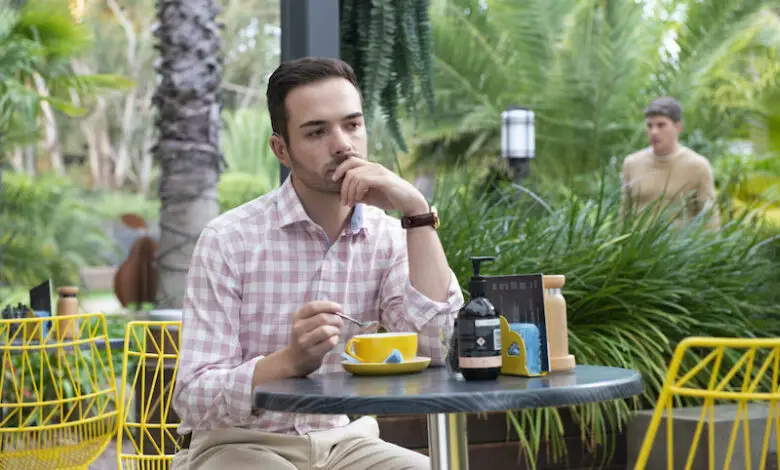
{"type": "Point", "coordinates": [662, 133]}
{"type": "Point", "coordinates": [326, 126]}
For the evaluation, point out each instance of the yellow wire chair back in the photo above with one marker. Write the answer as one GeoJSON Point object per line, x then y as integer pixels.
{"type": "Point", "coordinates": [58, 405]}
{"type": "Point", "coordinates": [751, 379]}
{"type": "Point", "coordinates": [147, 437]}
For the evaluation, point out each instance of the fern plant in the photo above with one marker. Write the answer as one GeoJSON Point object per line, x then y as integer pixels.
{"type": "Point", "coordinates": [389, 44]}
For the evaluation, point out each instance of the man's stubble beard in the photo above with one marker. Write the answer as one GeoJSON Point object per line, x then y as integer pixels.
{"type": "Point", "coordinates": [315, 181]}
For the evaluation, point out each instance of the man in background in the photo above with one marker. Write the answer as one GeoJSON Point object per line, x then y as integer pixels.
{"type": "Point", "coordinates": [668, 172]}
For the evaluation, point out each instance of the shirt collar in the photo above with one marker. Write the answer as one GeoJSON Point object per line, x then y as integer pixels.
{"type": "Point", "coordinates": [291, 210]}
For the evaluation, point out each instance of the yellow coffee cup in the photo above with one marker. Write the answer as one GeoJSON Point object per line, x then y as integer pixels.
{"type": "Point", "coordinates": [377, 347]}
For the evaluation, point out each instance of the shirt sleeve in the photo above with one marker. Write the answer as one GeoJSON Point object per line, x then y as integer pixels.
{"type": "Point", "coordinates": [214, 382]}
{"type": "Point", "coordinates": [404, 308]}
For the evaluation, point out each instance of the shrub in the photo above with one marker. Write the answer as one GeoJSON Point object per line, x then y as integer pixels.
{"type": "Point", "coordinates": [111, 205]}
{"type": "Point", "coordinates": [245, 144]}
{"type": "Point", "coordinates": [46, 232]}
{"type": "Point", "coordinates": [634, 290]}
{"type": "Point", "coordinates": [237, 188]}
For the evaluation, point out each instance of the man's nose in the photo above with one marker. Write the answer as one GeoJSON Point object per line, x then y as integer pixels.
{"type": "Point", "coordinates": [341, 143]}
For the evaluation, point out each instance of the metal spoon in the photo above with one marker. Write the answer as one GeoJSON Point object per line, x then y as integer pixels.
{"type": "Point", "coordinates": [364, 325]}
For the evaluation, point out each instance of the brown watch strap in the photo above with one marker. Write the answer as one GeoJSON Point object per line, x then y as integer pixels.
{"type": "Point", "coordinates": [421, 220]}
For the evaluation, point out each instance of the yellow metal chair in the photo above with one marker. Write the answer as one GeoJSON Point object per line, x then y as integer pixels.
{"type": "Point", "coordinates": [149, 365]}
{"type": "Point", "coordinates": [752, 380]}
{"type": "Point", "coordinates": [58, 405]}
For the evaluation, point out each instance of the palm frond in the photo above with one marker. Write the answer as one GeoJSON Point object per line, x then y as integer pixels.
{"type": "Point", "coordinates": [38, 42]}
{"type": "Point", "coordinates": [587, 69]}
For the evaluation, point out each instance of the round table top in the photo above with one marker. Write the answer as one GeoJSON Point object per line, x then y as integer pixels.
{"type": "Point", "coordinates": [436, 390]}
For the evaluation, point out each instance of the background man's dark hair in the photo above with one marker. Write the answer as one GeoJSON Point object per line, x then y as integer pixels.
{"type": "Point", "coordinates": [295, 73]}
{"type": "Point", "coordinates": [665, 106]}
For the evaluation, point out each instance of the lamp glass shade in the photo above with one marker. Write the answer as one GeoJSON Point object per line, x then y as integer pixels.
{"type": "Point", "coordinates": [518, 139]}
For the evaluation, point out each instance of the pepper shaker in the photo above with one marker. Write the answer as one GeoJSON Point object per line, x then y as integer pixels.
{"type": "Point", "coordinates": [557, 325]}
{"type": "Point", "coordinates": [67, 304]}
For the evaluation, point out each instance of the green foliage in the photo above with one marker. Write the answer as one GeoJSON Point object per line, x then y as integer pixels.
{"type": "Point", "coordinates": [111, 205]}
{"type": "Point", "coordinates": [252, 168]}
{"type": "Point", "coordinates": [389, 44]}
{"type": "Point", "coordinates": [46, 232]}
{"type": "Point", "coordinates": [633, 291]}
{"type": "Point", "coordinates": [587, 69]}
{"type": "Point", "coordinates": [237, 188]}
{"type": "Point", "coordinates": [37, 43]}
{"type": "Point", "coordinates": [245, 144]}
{"type": "Point", "coordinates": [13, 296]}
{"type": "Point", "coordinates": [750, 185]}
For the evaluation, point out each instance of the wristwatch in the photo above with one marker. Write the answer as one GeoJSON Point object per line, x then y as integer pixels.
{"type": "Point", "coordinates": [421, 220]}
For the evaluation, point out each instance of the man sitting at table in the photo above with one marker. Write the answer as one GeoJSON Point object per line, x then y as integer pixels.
{"type": "Point", "coordinates": [265, 277]}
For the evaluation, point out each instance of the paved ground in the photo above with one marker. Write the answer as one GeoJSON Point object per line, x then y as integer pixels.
{"type": "Point", "coordinates": [107, 460]}
{"type": "Point", "coordinates": [107, 304]}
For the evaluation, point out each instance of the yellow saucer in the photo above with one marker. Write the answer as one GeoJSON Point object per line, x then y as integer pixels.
{"type": "Point", "coordinates": [381, 368]}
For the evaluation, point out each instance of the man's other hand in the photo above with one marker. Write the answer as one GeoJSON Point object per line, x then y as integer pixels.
{"type": "Point", "coordinates": [315, 333]}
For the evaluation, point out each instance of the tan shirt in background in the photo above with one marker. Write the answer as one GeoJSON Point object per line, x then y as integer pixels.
{"type": "Point", "coordinates": [683, 174]}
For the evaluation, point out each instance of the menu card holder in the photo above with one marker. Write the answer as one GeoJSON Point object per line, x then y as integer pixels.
{"type": "Point", "coordinates": [519, 299]}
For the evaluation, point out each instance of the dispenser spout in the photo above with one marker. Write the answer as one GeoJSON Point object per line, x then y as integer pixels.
{"type": "Point", "coordinates": [478, 284]}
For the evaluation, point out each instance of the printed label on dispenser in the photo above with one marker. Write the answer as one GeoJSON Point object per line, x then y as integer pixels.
{"type": "Point", "coordinates": [479, 343]}
{"type": "Point", "coordinates": [479, 362]}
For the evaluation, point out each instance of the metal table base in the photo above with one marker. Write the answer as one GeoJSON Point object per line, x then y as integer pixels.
{"type": "Point", "coordinates": [448, 444]}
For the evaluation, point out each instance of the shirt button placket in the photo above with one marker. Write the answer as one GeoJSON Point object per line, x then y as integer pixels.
{"type": "Point", "coordinates": [326, 277]}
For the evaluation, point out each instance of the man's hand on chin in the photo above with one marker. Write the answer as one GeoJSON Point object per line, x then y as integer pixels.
{"type": "Point", "coordinates": [373, 184]}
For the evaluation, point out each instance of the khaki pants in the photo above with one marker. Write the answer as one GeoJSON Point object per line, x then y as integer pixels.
{"type": "Point", "coordinates": [356, 446]}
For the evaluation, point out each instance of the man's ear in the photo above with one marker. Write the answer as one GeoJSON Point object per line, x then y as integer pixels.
{"type": "Point", "coordinates": [279, 147]}
{"type": "Point", "coordinates": [679, 126]}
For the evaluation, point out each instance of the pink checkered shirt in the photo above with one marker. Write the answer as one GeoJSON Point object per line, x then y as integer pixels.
{"type": "Point", "coordinates": [253, 267]}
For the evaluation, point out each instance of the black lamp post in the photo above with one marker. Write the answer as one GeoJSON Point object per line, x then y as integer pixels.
{"type": "Point", "coordinates": [518, 140]}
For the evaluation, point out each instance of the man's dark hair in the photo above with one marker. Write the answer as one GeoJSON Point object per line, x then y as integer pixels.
{"type": "Point", "coordinates": [299, 72]}
{"type": "Point", "coordinates": [665, 106]}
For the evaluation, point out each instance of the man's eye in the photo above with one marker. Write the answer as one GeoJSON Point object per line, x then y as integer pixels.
{"type": "Point", "coordinates": [316, 133]}
{"type": "Point", "coordinates": [353, 125]}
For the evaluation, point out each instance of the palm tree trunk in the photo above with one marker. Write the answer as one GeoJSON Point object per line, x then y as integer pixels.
{"type": "Point", "coordinates": [188, 101]}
